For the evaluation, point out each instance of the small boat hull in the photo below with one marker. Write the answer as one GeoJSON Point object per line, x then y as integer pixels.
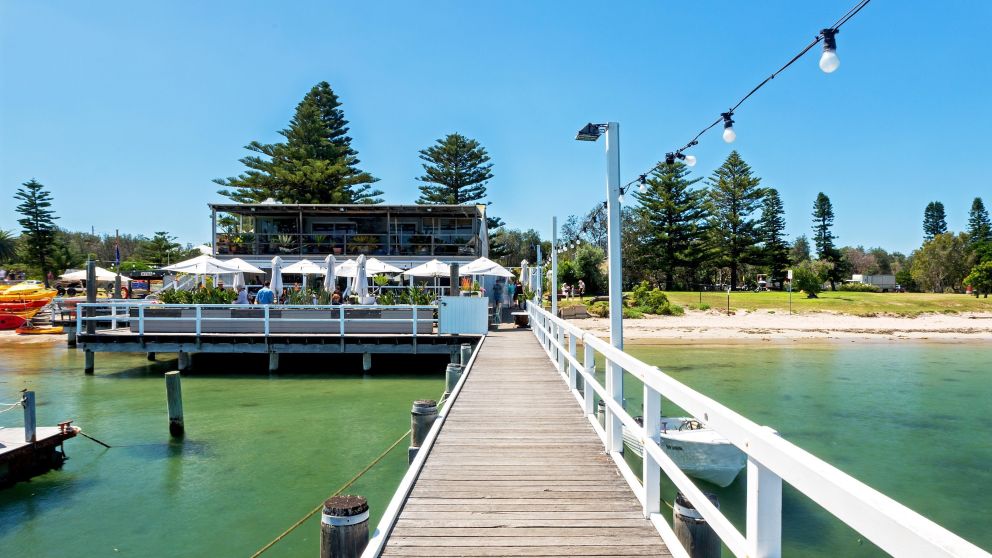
{"type": "Point", "coordinates": [25, 330]}
{"type": "Point", "coordinates": [701, 452]}
{"type": "Point", "coordinates": [10, 321]}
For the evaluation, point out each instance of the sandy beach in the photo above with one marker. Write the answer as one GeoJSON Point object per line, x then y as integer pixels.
{"type": "Point", "coordinates": [713, 326]}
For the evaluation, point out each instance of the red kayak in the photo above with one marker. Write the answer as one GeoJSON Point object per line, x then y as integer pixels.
{"type": "Point", "coordinates": [10, 321]}
{"type": "Point", "coordinates": [9, 307]}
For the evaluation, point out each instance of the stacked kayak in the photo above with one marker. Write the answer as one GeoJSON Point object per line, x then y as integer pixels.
{"type": "Point", "coordinates": [28, 330]}
{"type": "Point", "coordinates": [27, 291]}
{"type": "Point", "coordinates": [25, 310]}
{"type": "Point", "coordinates": [10, 321]}
{"type": "Point", "coordinates": [20, 302]}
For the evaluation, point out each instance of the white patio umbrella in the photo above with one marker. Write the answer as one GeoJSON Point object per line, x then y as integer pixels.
{"type": "Point", "coordinates": [346, 268]}
{"type": "Point", "coordinates": [202, 265]}
{"type": "Point", "coordinates": [101, 275]}
{"type": "Point", "coordinates": [304, 267]}
{"type": "Point", "coordinates": [433, 268]}
{"type": "Point", "coordinates": [360, 283]}
{"type": "Point", "coordinates": [484, 266]}
{"type": "Point", "coordinates": [329, 277]}
{"type": "Point", "coordinates": [376, 267]}
{"type": "Point", "coordinates": [275, 283]}
{"type": "Point", "coordinates": [241, 265]}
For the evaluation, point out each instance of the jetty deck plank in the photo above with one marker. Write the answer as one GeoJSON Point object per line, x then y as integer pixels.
{"type": "Point", "coordinates": [518, 471]}
{"type": "Point", "coordinates": [12, 439]}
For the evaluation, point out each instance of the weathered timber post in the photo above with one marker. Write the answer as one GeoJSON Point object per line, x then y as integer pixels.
{"type": "Point", "coordinates": [455, 289]}
{"type": "Point", "coordinates": [90, 295]}
{"type": "Point", "coordinates": [88, 363]}
{"type": "Point", "coordinates": [422, 417]}
{"type": "Point", "coordinates": [30, 422]}
{"type": "Point", "coordinates": [601, 412]}
{"type": "Point", "coordinates": [366, 362]}
{"type": "Point", "coordinates": [150, 356]}
{"type": "Point", "coordinates": [695, 534]}
{"type": "Point", "coordinates": [451, 375]}
{"type": "Point", "coordinates": [70, 334]}
{"type": "Point", "coordinates": [273, 361]}
{"type": "Point", "coordinates": [466, 354]}
{"type": "Point", "coordinates": [174, 393]}
{"type": "Point", "coordinates": [184, 361]}
{"type": "Point", "coordinates": [455, 354]}
{"type": "Point", "coordinates": [344, 527]}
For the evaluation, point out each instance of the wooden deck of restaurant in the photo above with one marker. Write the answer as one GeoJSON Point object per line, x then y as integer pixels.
{"type": "Point", "coordinates": [518, 471]}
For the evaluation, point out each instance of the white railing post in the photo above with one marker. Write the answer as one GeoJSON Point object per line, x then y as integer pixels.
{"type": "Point", "coordinates": [265, 320]}
{"type": "Point", "coordinates": [588, 394]}
{"type": "Point", "coordinates": [199, 314]}
{"type": "Point", "coordinates": [80, 308]}
{"type": "Point", "coordinates": [614, 388]}
{"type": "Point", "coordinates": [764, 511]}
{"type": "Point", "coordinates": [141, 319]}
{"type": "Point", "coordinates": [571, 367]}
{"type": "Point", "coordinates": [651, 474]}
{"type": "Point", "coordinates": [561, 343]}
{"type": "Point", "coordinates": [341, 321]}
{"type": "Point", "coordinates": [415, 320]}
{"type": "Point", "coordinates": [113, 315]}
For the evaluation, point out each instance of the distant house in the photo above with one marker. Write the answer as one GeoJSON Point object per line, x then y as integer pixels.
{"type": "Point", "coordinates": [403, 235]}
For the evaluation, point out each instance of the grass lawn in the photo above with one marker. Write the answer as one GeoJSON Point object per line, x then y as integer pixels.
{"type": "Point", "coordinates": [861, 304]}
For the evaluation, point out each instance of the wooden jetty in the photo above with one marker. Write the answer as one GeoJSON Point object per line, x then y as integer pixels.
{"type": "Point", "coordinates": [21, 460]}
{"type": "Point", "coordinates": [504, 480]}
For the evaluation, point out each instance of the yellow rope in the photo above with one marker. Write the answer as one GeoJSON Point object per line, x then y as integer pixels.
{"type": "Point", "coordinates": [339, 490]}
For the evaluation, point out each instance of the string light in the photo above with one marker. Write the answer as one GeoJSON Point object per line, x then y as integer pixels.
{"type": "Point", "coordinates": [829, 62]}
{"type": "Point", "coordinates": [644, 184]}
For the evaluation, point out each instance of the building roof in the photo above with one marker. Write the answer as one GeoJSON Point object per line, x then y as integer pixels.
{"type": "Point", "coordinates": [366, 208]}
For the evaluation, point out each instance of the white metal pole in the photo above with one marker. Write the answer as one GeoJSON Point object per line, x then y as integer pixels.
{"type": "Point", "coordinates": [554, 266]}
{"type": "Point", "coordinates": [613, 232]}
{"type": "Point", "coordinates": [614, 374]}
{"type": "Point", "coordinates": [539, 286]}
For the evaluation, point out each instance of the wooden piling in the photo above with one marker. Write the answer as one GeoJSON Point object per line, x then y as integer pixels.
{"type": "Point", "coordinates": [466, 354]}
{"type": "Point", "coordinates": [30, 421]}
{"type": "Point", "coordinates": [89, 362]}
{"type": "Point", "coordinates": [366, 362]}
{"type": "Point", "coordinates": [695, 534]}
{"type": "Point", "coordinates": [455, 354]}
{"type": "Point", "coordinates": [174, 393]}
{"type": "Point", "coordinates": [344, 527]}
{"type": "Point", "coordinates": [454, 280]}
{"type": "Point", "coordinates": [70, 334]}
{"type": "Point", "coordinates": [184, 363]}
{"type": "Point", "coordinates": [150, 356]}
{"type": "Point", "coordinates": [451, 375]}
{"type": "Point", "coordinates": [422, 417]}
{"type": "Point", "coordinates": [273, 361]}
{"type": "Point", "coordinates": [90, 295]}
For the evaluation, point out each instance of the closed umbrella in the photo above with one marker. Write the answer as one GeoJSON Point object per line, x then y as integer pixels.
{"type": "Point", "coordinates": [524, 273]}
{"type": "Point", "coordinates": [329, 277]}
{"type": "Point", "coordinates": [359, 284]}
{"type": "Point", "coordinates": [275, 283]}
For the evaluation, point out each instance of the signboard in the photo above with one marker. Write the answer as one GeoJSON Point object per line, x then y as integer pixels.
{"type": "Point", "coordinates": [788, 275]}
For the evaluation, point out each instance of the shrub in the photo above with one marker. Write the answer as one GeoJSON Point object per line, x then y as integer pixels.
{"type": "Point", "coordinates": [704, 306]}
{"type": "Point", "coordinates": [599, 309]}
{"type": "Point", "coordinates": [859, 288]}
{"type": "Point", "coordinates": [809, 276]}
{"type": "Point", "coordinates": [653, 301]}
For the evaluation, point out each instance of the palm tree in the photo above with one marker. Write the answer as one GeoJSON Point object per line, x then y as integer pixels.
{"type": "Point", "coordinates": [7, 246]}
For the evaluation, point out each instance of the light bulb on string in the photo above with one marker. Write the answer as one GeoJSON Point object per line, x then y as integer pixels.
{"type": "Point", "coordinates": [729, 135]}
{"type": "Point", "coordinates": [643, 188]}
{"type": "Point", "coordinates": [690, 160]}
{"type": "Point", "coordinates": [829, 61]}
{"type": "Point", "coordinates": [620, 198]}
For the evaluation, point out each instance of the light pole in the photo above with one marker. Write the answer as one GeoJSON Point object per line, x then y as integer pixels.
{"type": "Point", "coordinates": [614, 374]}
{"type": "Point", "coordinates": [554, 266]}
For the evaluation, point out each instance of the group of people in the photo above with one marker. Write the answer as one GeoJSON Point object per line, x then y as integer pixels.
{"type": "Point", "coordinates": [266, 295]}
{"type": "Point", "coordinates": [579, 289]}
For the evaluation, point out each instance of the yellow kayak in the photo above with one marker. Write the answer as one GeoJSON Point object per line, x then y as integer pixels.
{"type": "Point", "coordinates": [28, 290]}
{"type": "Point", "coordinates": [24, 330]}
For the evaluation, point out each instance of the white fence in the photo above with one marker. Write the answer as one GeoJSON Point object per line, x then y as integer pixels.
{"type": "Point", "coordinates": [270, 319]}
{"type": "Point", "coordinates": [770, 459]}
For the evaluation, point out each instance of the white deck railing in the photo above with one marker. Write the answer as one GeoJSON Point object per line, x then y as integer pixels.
{"type": "Point", "coordinates": [118, 312]}
{"type": "Point", "coordinates": [770, 459]}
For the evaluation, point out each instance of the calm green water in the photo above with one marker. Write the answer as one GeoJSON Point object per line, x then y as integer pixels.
{"type": "Point", "coordinates": [260, 452]}
{"type": "Point", "coordinates": [910, 420]}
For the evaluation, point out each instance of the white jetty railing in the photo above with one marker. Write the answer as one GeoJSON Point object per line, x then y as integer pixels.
{"type": "Point", "coordinates": [266, 319]}
{"type": "Point", "coordinates": [770, 459]}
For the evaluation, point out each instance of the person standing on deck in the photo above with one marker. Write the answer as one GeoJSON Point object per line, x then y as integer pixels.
{"type": "Point", "coordinates": [511, 291]}
{"type": "Point", "coordinates": [242, 295]}
{"type": "Point", "coordinates": [265, 295]}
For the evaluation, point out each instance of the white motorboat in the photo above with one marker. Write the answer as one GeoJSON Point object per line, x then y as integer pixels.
{"type": "Point", "coordinates": [698, 450]}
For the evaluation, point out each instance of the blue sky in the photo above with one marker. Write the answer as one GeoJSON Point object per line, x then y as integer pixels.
{"type": "Point", "coordinates": [127, 110]}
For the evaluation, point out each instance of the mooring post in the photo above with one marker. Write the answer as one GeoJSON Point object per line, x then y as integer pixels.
{"type": "Point", "coordinates": [89, 362]}
{"type": "Point", "coordinates": [30, 423]}
{"type": "Point", "coordinates": [455, 289]}
{"type": "Point", "coordinates": [174, 392]}
{"type": "Point", "coordinates": [455, 353]}
{"type": "Point", "coordinates": [366, 362]}
{"type": "Point", "coordinates": [70, 334]}
{"type": "Point", "coordinates": [601, 412]}
{"type": "Point", "coordinates": [344, 527]}
{"type": "Point", "coordinates": [90, 296]}
{"type": "Point", "coordinates": [695, 534]}
{"type": "Point", "coordinates": [451, 375]}
{"type": "Point", "coordinates": [184, 363]}
{"type": "Point", "coordinates": [150, 356]}
{"type": "Point", "coordinates": [273, 361]}
{"type": "Point", "coordinates": [422, 417]}
{"type": "Point", "coordinates": [466, 354]}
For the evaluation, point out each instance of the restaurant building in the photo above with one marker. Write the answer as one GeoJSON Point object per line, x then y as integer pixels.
{"type": "Point", "coordinates": [402, 235]}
